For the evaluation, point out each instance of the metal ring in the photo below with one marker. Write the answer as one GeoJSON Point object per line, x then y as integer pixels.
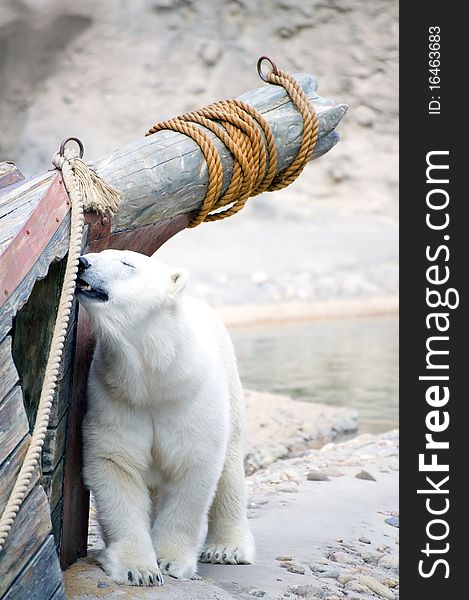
{"type": "Point", "coordinates": [72, 139]}
{"type": "Point", "coordinates": [259, 67]}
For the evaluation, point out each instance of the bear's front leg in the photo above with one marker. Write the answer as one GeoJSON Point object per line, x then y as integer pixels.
{"type": "Point", "coordinates": [180, 524]}
{"type": "Point", "coordinates": [123, 507]}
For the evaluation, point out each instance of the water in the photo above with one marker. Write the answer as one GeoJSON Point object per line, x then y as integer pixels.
{"type": "Point", "coordinates": [343, 362]}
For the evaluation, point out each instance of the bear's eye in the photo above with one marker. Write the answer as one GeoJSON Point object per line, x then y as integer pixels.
{"type": "Point", "coordinates": [127, 264]}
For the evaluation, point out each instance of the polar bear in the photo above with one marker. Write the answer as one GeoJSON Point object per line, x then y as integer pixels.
{"type": "Point", "coordinates": [163, 432]}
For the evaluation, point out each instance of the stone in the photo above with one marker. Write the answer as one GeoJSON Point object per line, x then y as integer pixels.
{"type": "Point", "coordinates": [316, 476]}
{"type": "Point", "coordinates": [257, 593]}
{"type": "Point", "coordinates": [330, 573]}
{"type": "Point", "coordinates": [343, 579]}
{"type": "Point", "coordinates": [393, 521]}
{"type": "Point", "coordinates": [378, 588]}
{"type": "Point", "coordinates": [356, 586]}
{"type": "Point", "coordinates": [364, 540]}
{"type": "Point", "coordinates": [388, 561]}
{"type": "Point", "coordinates": [343, 558]}
{"type": "Point", "coordinates": [284, 557]}
{"type": "Point", "coordinates": [365, 475]}
{"type": "Point", "coordinates": [293, 568]}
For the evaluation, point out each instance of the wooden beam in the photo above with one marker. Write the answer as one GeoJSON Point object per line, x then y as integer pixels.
{"type": "Point", "coordinates": [165, 175]}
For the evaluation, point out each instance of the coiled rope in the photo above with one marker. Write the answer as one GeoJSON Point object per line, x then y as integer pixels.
{"type": "Point", "coordinates": [240, 127]}
{"type": "Point", "coordinates": [86, 191]}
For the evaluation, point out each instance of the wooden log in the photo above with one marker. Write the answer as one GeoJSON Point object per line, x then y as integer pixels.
{"type": "Point", "coordinates": [165, 175]}
{"type": "Point", "coordinates": [30, 528]}
{"type": "Point", "coordinates": [40, 579]}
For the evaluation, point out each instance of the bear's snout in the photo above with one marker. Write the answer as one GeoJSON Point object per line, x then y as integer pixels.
{"type": "Point", "coordinates": [83, 263]}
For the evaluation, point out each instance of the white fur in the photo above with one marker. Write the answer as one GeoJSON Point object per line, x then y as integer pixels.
{"type": "Point", "coordinates": [163, 431]}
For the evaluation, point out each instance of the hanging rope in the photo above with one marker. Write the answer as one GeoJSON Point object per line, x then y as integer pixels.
{"type": "Point", "coordinates": [248, 137]}
{"type": "Point", "coordinates": [85, 190]}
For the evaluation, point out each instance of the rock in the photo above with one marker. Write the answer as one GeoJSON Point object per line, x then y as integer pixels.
{"type": "Point", "coordinates": [291, 475]}
{"type": "Point", "coordinates": [293, 568]}
{"type": "Point", "coordinates": [356, 586]}
{"type": "Point", "coordinates": [378, 588]}
{"type": "Point", "coordinates": [257, 593]}
{"type": "Point", "coordinates": [329, 573]}
{"type": "Point", "coordinates": [388, 561]}
{"type": "Point", "coordinates": [364, 540]}
{"type": "Point", "coordinates": [310, 591]}
{"type": "Point", "coordinates": [343, 579]}
{"type": "Point", "coordinates": [394, 521]}
{"type": "Point", "coordinates": [343, 558]}
{"type": "Point", "coordinates": [102, 585]}
{"type": "Point", "coordinates": [365, 475]}
{"type": "Point", "coordinates": [316, 476]}
{"type": "Point", "coordinates": [284, 557]}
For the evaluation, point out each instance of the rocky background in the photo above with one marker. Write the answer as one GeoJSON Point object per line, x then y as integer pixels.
{"type": "Point", "coordinates": [105, 71]}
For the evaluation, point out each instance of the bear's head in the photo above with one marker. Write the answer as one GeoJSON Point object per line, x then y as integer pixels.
{"type": "Point", "coordinates": [121, 287]}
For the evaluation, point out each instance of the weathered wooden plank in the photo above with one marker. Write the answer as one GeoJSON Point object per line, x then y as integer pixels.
{"type": "Point", "coordinates": [62, 394]}
{"type": "Point", "coordinates": [13, 422]}
{"type": "Point", "coordinates": [29, 530]}
{"type": "Point", "coordinates": [56, 518]}
{"type": "Point", "coordinates": [40, 578]}
{"type": "Point", "coordinates": [32, 238]}
{"type": "Point", "coordinates": [8, 372]}
{"type": "Point", "coordinates": [53, 483]}
{"type": "Point", "coordinates": [75, 495]}
{"type": "Point", "coordinates": [59, 593]}
{"type": "Point", "coordinates": [9, 174]}
{"type": "Point", "coordinates": [55, 250]}
{"type": "Point", "coordinates": [11, 467]}
{"type": "Point", "coordinates": [54, 446]}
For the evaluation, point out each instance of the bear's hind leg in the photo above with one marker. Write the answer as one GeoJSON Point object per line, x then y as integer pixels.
{"type": "Point", "coordinates": [229, 538]}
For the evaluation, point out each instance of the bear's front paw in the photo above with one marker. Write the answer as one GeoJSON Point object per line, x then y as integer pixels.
{"type": "Point", "coordinates": [180, 568]}
{"type": "Point", "coordinates": [129, 570]}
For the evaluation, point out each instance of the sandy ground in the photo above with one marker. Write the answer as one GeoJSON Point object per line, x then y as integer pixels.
{"type": "Point", "coordinates": [324, 519]}
{"type": "Point", "coordinates": [310, 542]}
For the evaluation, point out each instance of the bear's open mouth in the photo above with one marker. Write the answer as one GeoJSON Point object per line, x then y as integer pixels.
{"type": "Point", "coordinates": [85, 289]}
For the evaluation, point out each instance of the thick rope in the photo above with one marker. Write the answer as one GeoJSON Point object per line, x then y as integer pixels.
{"type": "Point", "coordinates": [85, 189]}
{"type": "Point", "coordinates": [248, 137]}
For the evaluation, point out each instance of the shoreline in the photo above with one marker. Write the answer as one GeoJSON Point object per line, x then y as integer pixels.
{"type": "Point", "coordinates": [259, 315]}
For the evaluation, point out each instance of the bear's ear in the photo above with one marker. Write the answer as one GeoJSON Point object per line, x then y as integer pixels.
{"type": "Point", "coordinates": [179, 281]}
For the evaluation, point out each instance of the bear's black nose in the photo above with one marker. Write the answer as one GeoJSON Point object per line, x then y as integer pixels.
{"type": "Point", "coordinates": [83, 263]}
